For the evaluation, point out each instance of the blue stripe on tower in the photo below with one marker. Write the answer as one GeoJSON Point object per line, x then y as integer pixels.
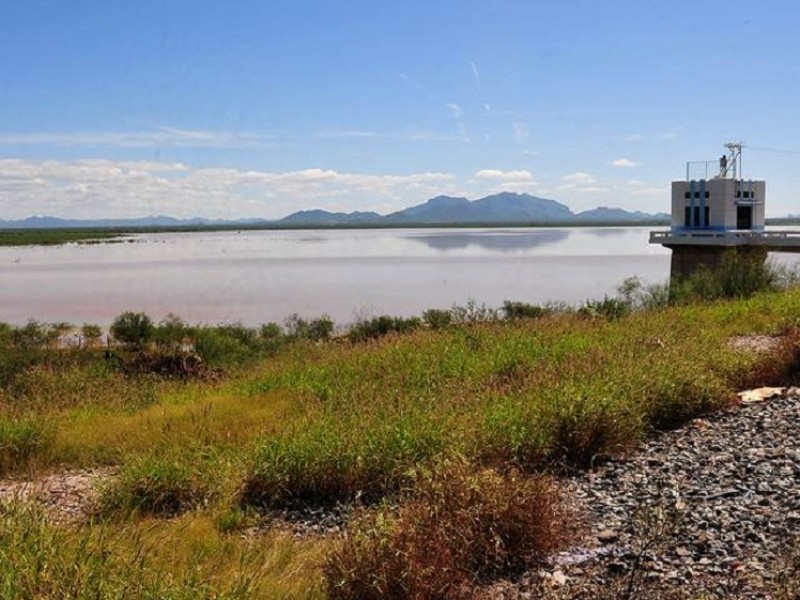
{"type": "Point", "coordinates": [703, 203]}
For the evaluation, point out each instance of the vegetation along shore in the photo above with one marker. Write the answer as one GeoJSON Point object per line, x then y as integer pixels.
{"type": "Point", "coordinates": [426, 457]}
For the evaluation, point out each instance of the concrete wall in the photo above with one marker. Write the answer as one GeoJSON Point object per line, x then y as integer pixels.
{"type": "Point", "coordinates": [688, 259]}
{"type": "Point", "coordinates": [722, 201]}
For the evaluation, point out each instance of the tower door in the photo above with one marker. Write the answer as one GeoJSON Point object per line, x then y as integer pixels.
{"type": "Point", "coordinates": [744, 217]}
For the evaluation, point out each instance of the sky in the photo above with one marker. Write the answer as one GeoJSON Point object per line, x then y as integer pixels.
{"type": "Point", "coordinates": [259, 108]}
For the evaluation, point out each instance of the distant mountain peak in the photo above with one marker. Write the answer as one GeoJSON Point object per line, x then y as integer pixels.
{"type": "Point", "coordinates": [502, 207]}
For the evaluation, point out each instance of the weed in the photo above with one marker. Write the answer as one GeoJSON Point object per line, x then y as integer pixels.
{"type": "Point", "coordinates": [21, 439]}
{"type": "Point", "coordinates": [160, 487]}
{"type": "Point", "coordinates": [459, 527]}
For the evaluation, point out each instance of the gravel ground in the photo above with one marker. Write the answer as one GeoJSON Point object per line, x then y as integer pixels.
{"type": "Point", "coordinates": [68, 496]}
{"type": "Point", "coordinates": [707, 511]}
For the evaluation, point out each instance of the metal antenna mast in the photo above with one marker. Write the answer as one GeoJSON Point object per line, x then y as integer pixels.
{"type": "Point", "coordinates": [731, 164]}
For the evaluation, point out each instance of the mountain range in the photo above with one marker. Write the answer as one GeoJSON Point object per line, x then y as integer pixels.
{"type": "Point", "coordinates": [506, 208]}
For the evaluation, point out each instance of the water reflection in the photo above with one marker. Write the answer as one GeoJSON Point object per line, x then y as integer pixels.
{"type": "Point", "coordinates": [606, 232]}
{"type": "Point", "coordinates": [500, 241]}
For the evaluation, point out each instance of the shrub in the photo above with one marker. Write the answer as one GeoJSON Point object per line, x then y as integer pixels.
{"type": "Point", "coordinates": [472, 312]}
{"type": "Point", "coordinates": [739, 274]}
{"type": "Point", "coordinates": [132, 329]}
{"type": "Point", "coordinates": [31, 335]}
{"type": "Point", "coordinates": [459, 527]}
{"type": "Point", "coordinates": [380, 326]}
{"type": "Point", "coordinates": [270, 331]}
{"type": "Point", "coordinates": [315, 330]}
{"type": "Point", "coordinates": [522, 310]}
{"type": "Point", "coordinates": [91, 335]}
{"type": "Point", "coordinates": [437, 319]}
{"type": "Point", "coordinates": [6, 335]}
{"type": "Point", "coordinates": [170, 332]}
{"type": "Point", "coordinates": [637, 295]}
{"type": "Point", "coordinates": [609, 308]}
{"type": "Point", "coordinates": [218, 349]}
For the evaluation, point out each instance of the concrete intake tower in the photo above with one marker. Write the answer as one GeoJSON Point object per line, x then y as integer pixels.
{"type": "Point", "coordinates": [710, 216]}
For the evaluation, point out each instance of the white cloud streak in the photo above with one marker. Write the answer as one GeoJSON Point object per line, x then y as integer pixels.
{"type": "Point", "coordinates": [411, 136]}
{"type": "Point", "coordinates": [579, 177]}
{"type": "Point", "coordinates": [520, 175]}
{"type": "Point", "coordinates": [106, 188]}
{"type": "Point", "coordinates": [159, 137]}
{"type": "Point", "coordinates": [624, 163]}
{"type": "Point", "coordinates": [458, 113]}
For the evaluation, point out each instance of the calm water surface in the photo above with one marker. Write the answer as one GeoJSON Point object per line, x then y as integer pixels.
{"type": "Point", "coordinates": [258, 276]}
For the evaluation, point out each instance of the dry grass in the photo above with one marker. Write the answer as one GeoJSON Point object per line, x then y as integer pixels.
{"type": "Point", "coordinates": [460, 527]}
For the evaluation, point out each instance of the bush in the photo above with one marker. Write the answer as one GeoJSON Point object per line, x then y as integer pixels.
{"type": "Point", "coordinates": [380, 326]}
{"type": "Point", "coordinates": [91, 335]}
{"type": "Point", "coordinates": [170, 332]}
{"type": "Point", "coordinates": [459, 527]}
{"type": "Point", "coordinates": [270, 332]}
{"type": "Point", "coordinates": [739, 274]}
{"type": "Point", "coordinates": [472, 312]}
{"type": "Point", "coordinates": [315, 330]}
{"type": "Point", "coordinates": [437, 319]}
{"type": "Point", "coordinates": [31, 335]}
{"type": "Point", "coordinates": [609, 308]}
{"type": "Point", "coordinates": [637, 295]}
{"type": "Point", "coordinates": [523, 310]}
{"type": "Point", "coordinates": [132, 329]}
{"type": "Point", "coordinates": [218, 349]}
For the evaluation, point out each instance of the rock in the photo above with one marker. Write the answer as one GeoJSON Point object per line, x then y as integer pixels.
{"type": "Point", "coordinates": [734, 476]}
{"type": "Point", "coordinates": [607, 536]}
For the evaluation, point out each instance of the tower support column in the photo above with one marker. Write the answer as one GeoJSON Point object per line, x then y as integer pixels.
{"type": "Point", "coordinates": [688, 259]}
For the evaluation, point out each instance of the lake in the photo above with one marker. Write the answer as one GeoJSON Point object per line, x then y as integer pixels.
{"type": "Point", "coordinates": [259, 276]}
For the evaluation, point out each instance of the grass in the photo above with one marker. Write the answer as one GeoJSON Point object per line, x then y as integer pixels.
{"type": "Point", "coordinates": [180, 559]}
{"type": "Point", "coordinates": [459, 527]}
{"type": "Point", "coordinates": [52, 237]}
{"type": "Point", "coordinates": [306, 419]}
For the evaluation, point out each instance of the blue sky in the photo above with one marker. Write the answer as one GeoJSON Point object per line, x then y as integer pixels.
{"type": "Point", "coordinates": [260, 108]}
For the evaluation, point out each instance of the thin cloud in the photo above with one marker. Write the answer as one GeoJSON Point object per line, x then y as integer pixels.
{"type": "Point", "coordinates": [519, 175]}
{"type": "Point", "coordinates": [413, 136]}
{"type": "Point", "coordinates": [521, 132]}
{"type": "Point", "coordinates": [415, 84]}
{"type": "Point", "coordinates": [477, 78]}
{"type": "Point", "coordinates": [458, 113]}
{"type": "Point", "coordinates": [106, 188]}
{"type": "Point", "coordinates": [624, 163]}
{"type": "Point", "coordinates": [160, 137]}
{"type": "Point", "coordinates": [579, 177]}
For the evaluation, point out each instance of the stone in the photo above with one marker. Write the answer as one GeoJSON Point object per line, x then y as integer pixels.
{"type": "Point", "coordinates": [607, 536]}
